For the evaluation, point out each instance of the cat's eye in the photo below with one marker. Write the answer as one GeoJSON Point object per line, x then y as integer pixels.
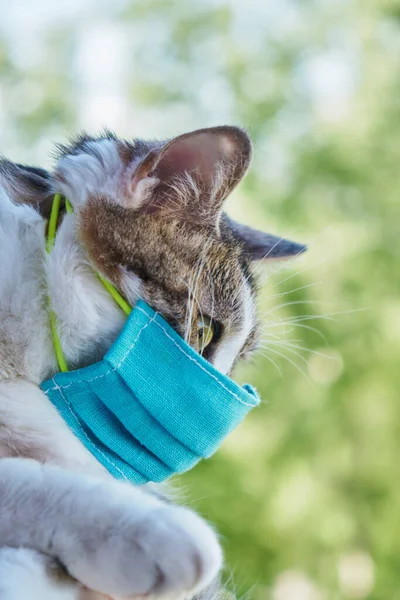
{"type": "Point", "coordinates": [206, 329]}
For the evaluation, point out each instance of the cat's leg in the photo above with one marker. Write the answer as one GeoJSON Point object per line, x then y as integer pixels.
{"type": "Point", "coordinates": [111, 537]}
{"type": "Point", "coordinates": [30, 426]}
{"type": "Point", "coordinates": [30, 420]}
{"type": "Point", "coordinates": [27, 575]}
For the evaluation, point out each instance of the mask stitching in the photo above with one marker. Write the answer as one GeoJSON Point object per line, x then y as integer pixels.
{"type": "Point", "coordinates": [179, 348]}
{"type": "Point", "coordinates": [64, 387]}
{"type": "Point", "coordinates": [200, 365]}
{"type": "Point", "coordinates": [80, 428]}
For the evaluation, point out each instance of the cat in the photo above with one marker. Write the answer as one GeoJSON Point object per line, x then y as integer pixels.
{"type": "Point", "coordinates": [148, 216]}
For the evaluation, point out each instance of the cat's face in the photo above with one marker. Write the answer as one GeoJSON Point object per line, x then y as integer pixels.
{"type": "Point", "coordinates": [157, 230]}
{"type": "Point", "coordinates": [198, 278]}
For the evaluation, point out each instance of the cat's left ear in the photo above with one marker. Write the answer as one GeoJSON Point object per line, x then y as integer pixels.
{"type": "Point", "coordinates": [258, 245]}
{"type": "Point", "coordinates": [193, 173]}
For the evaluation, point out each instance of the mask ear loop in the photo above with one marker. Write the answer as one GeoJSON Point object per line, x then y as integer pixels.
{"type": "Point", "coordinates": [122, 303]}
{"type": "Point", "coordinates": [114, 293]}
{"type": "Point", "coordinates": [50, 240]}
{"type": "Point", "coordinates": [120, 300]}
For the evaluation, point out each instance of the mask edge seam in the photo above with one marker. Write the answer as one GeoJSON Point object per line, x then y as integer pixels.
{"type": "Point", "coordinates": [191, 358]}
{"type": "Point", "coordinates": [80, 428]}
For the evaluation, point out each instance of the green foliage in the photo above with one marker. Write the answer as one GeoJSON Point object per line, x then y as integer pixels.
{"type": "Point", "coordinates": [305, 493]}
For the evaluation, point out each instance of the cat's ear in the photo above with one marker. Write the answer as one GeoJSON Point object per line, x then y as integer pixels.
{"type": "Point", "coordinates": [193, 173]}
{"type": "Point", "coordinates": [27, 185]}
{"type": "Point", "coordinates": [263, 246]}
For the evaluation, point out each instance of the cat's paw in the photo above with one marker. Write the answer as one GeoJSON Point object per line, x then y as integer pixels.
{"type": "Point", "coordinates": [168, 552]}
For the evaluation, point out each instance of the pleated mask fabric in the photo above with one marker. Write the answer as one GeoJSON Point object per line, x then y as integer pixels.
{"type": "Point", "coordinates": [152, 407]}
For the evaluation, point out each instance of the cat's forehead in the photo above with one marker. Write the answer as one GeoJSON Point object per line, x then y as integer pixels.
{"type": "Point", "coordinates": [189, 260]}
{"type": "Point", "coordinates": [166, 251]}
{"type": "Point", "coordinates": [198, 254]}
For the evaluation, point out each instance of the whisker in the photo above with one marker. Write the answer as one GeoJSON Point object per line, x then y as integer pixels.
{"type": "Point", "coordinates": [212, 294]}
{"type": "Point", "coordinates": [287, 263]}
{"type": "Point", "coordinates": [310, 350]}
{"type": "Point", "coordinates": [328, 316]}
{"type": "Point", "coordinates": [291, 362]}
{"type": "Point", "coordinates": [189, 311]}
{"type": "Point", "coordinates": [203, 264]}
{"type": "Point", "coordinates": [293, 325]}
{"type": "Point", "coordinates": [314, 329]}
{"type": "Point", "coordinates": [289, 349]}
{"type": "Point", "coordinates": [271, 360]}
{"type": "Point", "coordinates": [308, 267]}
{"type": "Point", "coordinates": [303, 287]}
{"type": "Point", "coordinates": [273, 248]}
{"type": "Point", "coordinates": [273, 336]}
{"type": "Point", "coordinates": [196, 276]}
{"type": "Point", "coordinates": [288, 343]}
{"type": "Point", "coordinates": [260, 263]}
{"type": "Point", "coordinates": [267, 340]}
{"type": "Point", "coordinates": [293, 303]}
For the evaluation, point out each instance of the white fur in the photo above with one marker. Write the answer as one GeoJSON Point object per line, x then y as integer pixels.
{"type": "Point", "coordinates": [82, 174]}
{"type": "Point", "coordinates": [229, 348]}
{"type": "Point", "coordinates": [31, 426]}
{"type": "Point", "coordinates": [22, 319]}
{"type": "Point", "coordinates": [109, 535]}
{"type": "Point", "coordinates": [131, 285]}
{"type": "Point", "coordinates": [23, 576]}
{"type": "Point", "coordinates": [176, 541]}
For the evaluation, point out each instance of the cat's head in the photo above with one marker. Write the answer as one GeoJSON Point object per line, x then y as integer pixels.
{"type": "Point", "coordinates": [150, 216]}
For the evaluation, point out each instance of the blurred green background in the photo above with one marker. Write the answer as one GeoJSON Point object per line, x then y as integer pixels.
{"type": "Point", "coordinates": [306, 493]}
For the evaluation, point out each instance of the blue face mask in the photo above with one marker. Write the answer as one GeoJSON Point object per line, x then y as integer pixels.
{"type": "Point", "coordinates": [152, 407]}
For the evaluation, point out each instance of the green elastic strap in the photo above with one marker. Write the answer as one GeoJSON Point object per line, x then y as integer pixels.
{"type": "Point", "coordinates": [50, 240]}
